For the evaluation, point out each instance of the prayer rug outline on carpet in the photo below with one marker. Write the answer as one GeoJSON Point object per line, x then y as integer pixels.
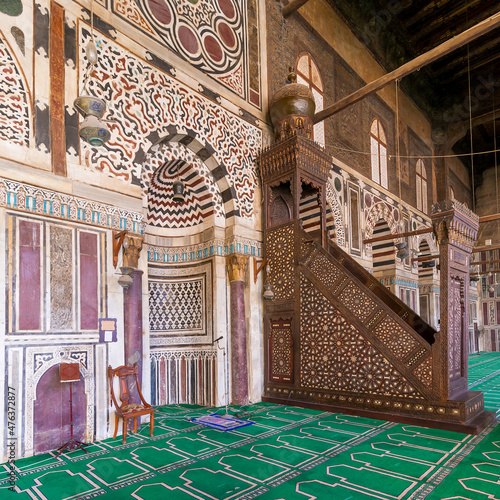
{"type": "Point", "coordinates": [288, 453]}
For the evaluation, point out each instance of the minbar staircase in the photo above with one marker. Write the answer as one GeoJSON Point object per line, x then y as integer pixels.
{"type": "Point", "coordinates": [338, 340]}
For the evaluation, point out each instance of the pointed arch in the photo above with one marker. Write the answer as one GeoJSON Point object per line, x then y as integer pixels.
{"type": "Point", "coordinates": [378, 148]}
{"type": "Point", "coordinates": [308, 74]}
{"type": "Point", "coordinates": [205, 153]}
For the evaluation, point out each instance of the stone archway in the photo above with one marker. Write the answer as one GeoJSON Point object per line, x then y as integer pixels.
{"type": "Point", "coordinates": [206, 154]}
{"type": "Point", "coordinates": [51, 418]}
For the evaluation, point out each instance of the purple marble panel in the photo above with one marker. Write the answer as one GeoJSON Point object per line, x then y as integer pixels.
{"type": "Point", "coordinates": [51, 418]}
{"type": "Point", "coordinates": [29, 275]}
{"type": "Point", "coordinates": [89, 296]}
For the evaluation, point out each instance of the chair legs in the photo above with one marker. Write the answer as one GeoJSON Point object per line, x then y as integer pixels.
{"type": "Point", "coordinates": [116, 426]}
{"type": "Point", "coordinates": [125, 425]}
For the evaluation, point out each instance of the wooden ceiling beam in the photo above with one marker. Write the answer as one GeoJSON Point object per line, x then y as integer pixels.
{"type": "Point", "coordinates": [488, 218]}
{"type": "Point", "coordinates": [406, 69]}
{"type": "Point", "coordinates": [399, 235]}
{"type": "Point", "coordinates": [441, 27]}
{"type": "Point", "coordinates": [447, 67]}
{"type": "Point", "coordinates": [425, 257]}
{"type": "Point", "coordinates": [479, 64]}
{"type": "Point", "coordinates": [420, 13]}
{"type": "Point", "coordinates": [482, 262]}
{"type": "Point", "coordinates": [485, 249]}
{"type": "Point", "coordinates": [292, 6]}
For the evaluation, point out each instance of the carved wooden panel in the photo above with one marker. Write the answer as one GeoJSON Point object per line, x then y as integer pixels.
{"type": "Point", "coordinates": [279, 211]}
{"type": "Point", "coordinates": [424, 372]}
{"type": "Point", "coordinates": [324, 269]}
{"type": "Point", "coordinates": [395, 338]}
{"type": "Point", "coordinates": [280, 251]}
{"type": "Point", "coordinates": [281, 351]}
{"type": "Point", "coordinates": [357, 301]}
{"type": "Point", "coordinates": [455, 330]}
{"type": "Point", "coordinates": [334, 355]}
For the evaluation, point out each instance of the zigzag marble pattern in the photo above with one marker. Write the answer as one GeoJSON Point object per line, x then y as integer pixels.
{"type": "Point", "coordinates": [147, 104]}
{"type": "Point", "coordinates": [202, 197]}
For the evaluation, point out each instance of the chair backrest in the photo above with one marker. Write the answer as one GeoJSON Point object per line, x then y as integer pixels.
{"type": "Point", "coordinates": [122, 372]}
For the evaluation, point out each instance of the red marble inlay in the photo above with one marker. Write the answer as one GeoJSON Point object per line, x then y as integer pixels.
{"type": "Point", "coordinates": [368, 200]}
{"type": "Point", "coordinates": [213, 48]}
{"type": "Point", "coordinates": [29, 275]}
{"type": "Point", "coordinates": [160, 10]}
{"type": "Point", "coordinates": [89, 296]}
{"type": "Point", "coordinates": [188, 39]}
{"type": "Point", "coordinates": [227, 7]}
{"type": "Point", "coordinates": [254, 97]}
{"type": "Point", "coordinates": [226, 34]}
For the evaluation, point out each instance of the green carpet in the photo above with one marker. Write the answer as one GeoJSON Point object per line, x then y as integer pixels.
{"type": "Point", "coordinates": [289, 453]}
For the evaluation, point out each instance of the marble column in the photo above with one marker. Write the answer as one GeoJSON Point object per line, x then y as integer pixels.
{"type": "Point", "coordinates": [132, 319]}
{"type": "Point", "coordinates": [236, 265]}
{"type": "Point", "coordinates": [132, 310]}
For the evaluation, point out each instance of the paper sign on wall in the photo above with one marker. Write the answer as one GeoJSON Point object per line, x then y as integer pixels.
{"type": "Point", "coordinates": [107, 330]}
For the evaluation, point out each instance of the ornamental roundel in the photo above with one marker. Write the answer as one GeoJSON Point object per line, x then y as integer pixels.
{"type": "Point", "coordinates": [146, 103]}
{"type": "Point", "coordinates": [334, 355]}
{"type": "Point", "coordinates": [395, 338]}
{"type": "Point", "coordinates": [207, 33]}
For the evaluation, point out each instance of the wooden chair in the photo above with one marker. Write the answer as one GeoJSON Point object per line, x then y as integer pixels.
{"type": "Point", "coordinates": [128, 410]}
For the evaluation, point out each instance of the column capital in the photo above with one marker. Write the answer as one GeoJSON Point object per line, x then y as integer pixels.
{"type": "Point", "coordinates": [454, 224]}
{"type": "Point", "coordinates": [236, 265]}
{"type": "Point", "coordinates": [132, 252]}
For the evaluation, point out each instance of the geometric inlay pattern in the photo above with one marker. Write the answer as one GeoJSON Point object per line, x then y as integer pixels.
{"type": "Point", "coordinates": [334, 355]}
{"type": "Point", "coordinates": [180, 304]}
{"type": "Point", "coordinates": [209, 33]}
{"type": "Point", "coordinates": [455, 328]}
{"type": "Point", "coordinates": [281, 352]}
{"type": "Point", "coordinates": [323, 269]}
{"type": "Point", "coordinates": [279, 246]}
{"type": "Point", "coordinates": [357, 301]}
{"type": "Point", "coordinates": [14, 100]}
{"type": "Point", "coordinates": [424, 372]}
{"type": "Point", "coordinates": [394, 337]}
{"type": "Point", "coordinates": [161, 104]}
{"type": "Point", "coordinates": [176, 306]}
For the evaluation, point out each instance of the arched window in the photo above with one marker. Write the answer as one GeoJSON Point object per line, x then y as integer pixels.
{"type": "Point", "coordinates": [421, 186]}
{"type": "Point", "coordinates": [378, 145]}
{"type": "Point", "coordinates": [308, 74]}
